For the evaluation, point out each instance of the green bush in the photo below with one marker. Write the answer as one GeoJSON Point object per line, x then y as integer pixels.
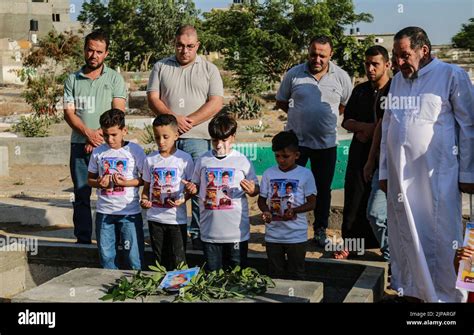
{"type": "Point", "coordinates": [244, 107]}
{"type": "Point", "coordinates": [33, 126]}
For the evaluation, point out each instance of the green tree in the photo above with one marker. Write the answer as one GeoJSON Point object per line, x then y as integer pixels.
{"type": "Point", "coordinates": [465, 38]}
{"type": "Point", "coordinates": [46, 68]}
{"type": "Point", "coordinates": [141, 31]}
{"type": "Point", "coordinates": [261, 41]}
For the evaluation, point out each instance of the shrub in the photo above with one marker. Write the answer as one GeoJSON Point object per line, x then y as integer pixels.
{"type": "Point", "coordinates": [244, 107]}
{"type": "Point", "coordinates": [33, 126]}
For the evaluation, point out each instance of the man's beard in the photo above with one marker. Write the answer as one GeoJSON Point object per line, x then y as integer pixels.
{"type": "Point", "coordinates": [93, 67]}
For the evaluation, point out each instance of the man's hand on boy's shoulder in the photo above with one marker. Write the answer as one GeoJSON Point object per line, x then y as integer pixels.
{"type": "Point", "coordinates": [248, 186]}
{"type": "Point", "coordinates": [189, 187]}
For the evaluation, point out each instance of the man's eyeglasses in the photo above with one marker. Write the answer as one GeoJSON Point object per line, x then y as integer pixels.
{"type": "Point", "coordinates": [182, 46]}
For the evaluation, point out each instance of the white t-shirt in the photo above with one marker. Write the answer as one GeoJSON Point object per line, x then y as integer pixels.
{"type": "Point", "coordinates": [283, 190]}
{"type": "Point", "coordinates": [164, 176]}
{"type": "Point", "coordinates": [128, 161]}
{"type": "Point", "coordinates": [223, 204]}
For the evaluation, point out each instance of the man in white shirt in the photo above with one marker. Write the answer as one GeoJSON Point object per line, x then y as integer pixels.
{"type": "Point", "coordinates": [427, 158]}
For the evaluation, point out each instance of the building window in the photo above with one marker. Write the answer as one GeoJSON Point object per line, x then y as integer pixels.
{"type": "Point", "coordinates": [56, 18]}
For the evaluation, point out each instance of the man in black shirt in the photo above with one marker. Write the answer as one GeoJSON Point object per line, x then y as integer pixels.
{"type": "Point", "coordinates": [362, 113]}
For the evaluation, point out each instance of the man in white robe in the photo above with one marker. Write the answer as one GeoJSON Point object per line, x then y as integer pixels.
{"type": "Point", "coordinates": [426, 160]}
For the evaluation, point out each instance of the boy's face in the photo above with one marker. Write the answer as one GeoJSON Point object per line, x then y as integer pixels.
{"type": "Point", "coordinates": [119, 167]}
{"type": "Point", "coordinates": [289, 189]}
{"type": "Point", "coordinates": [168, 179]}
{"type": "Point", "coordinates": [223, 147]}
{"type": "Point", "coordinates": [113, 136]}
{"type": "Point", "coordinates": [165, 137]}
{"type": "Point", "coordinates": [210, 177]}
{"type": "Point", "coordinates": [286, 158]}
{"type": "Point", "coordinates": [225, 180]}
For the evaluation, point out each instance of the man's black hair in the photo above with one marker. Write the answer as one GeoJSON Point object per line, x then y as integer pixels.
{"type": "Point", "coordinates": [111, 118]}
{"type": "Point", "coordinates": [321, 39]}
{"type": "Point", "coordinates": [285, 140]}
{"type": "Point", "coordinates": [376, 50]}
{"type": "Point", "coordinates": [98, 35]}
{"type": "Point", "coordinates": [222, 126]}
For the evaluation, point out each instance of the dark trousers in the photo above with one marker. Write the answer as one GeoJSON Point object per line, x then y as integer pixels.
{"type": "Point", "coordinates": [354, 216]}
{"type": "Point", "coordinates": [225, 255]}
{"type": "Point", "coordinates": [82, 216]}
{"type": "Point", "coordinates": [323, 164]}
{"type": "Point", "coordinates": [286, 260]}
{"type": "Point", "coordinates": [168, 242]}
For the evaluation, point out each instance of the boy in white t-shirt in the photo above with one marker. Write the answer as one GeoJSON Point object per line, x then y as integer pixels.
{"type": "Point", "coordinates": [286, 224]}
{"type": "Point", "coordinates": [224, 177]}
{"type": "Point", "coordinates": [163, 193]}
{"type": "Point", "coordinates": [114, 169]}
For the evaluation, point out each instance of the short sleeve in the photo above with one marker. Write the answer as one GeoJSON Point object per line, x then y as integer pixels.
{"type": "Point", "coordinates": [154, 80]}
{"type": "Point", "coordinates": [196, 179]}
{"type": "Point", "coordinates": [94, 163]}
{"type": "Point", "coordinates": [264, 185]}
{"type": "Point", "coordinates": [120, 89]}
{"type": "Point", "coordinates": [346, 88]}
{"type": "Point", "coordinates": [250, 173]}
{"type": "Point", "coordinates": [309, 185]}
{"type": "Point", "coordinates": [216, 87]}
{"type": "Point", "coordinates": [284, 92]}
{"type": "Point", "coordinates": [189, 169]}
{"type": "Point", "coordinates": [140, 158]}
{"type": "Point", "coordinates": [146, 176]}
{"type": "Point", "coordinates": [69, 90]}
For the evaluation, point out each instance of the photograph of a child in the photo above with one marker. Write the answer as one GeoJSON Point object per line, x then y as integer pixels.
{"type": "Point", "coordinates": [164, 187]}
{"type": "Point", "coordinates": [174, 280]}
{"type": "Point", "coordinates": [219, 190]}
{"type": "Point", "coordinates": [109, 167]}
{"type": "Point", "coordinates": [282, 198]}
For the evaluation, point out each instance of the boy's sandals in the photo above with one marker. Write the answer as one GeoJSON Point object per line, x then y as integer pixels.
{"type": "Point", "coordinates": [343, 254]}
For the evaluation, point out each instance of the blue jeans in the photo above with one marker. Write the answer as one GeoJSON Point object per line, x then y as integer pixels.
{"type": "Point", "coordinates": [225, 255]}
{"type": "Point", "coordinates": [130, 230]}
{"type": "Point", "coordinates": [82, 216]}
{"type": "Point", "coordinates": [377, 215]}
{"type": "Point", "coordinates": [196, 147]}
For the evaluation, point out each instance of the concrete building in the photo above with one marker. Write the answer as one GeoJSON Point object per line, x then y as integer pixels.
{"type": "Point", "coordinates": [15, 16]}
{"type": "Point", "coordinates": [385, 40]}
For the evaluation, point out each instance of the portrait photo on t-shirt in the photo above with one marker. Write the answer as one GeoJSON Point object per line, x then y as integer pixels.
{"type": "Point", "coordinates": [282, 198]}
{"type": "Point", "coordinates": [110, 166]}
{"type": "Point", "coordinates": [219, 188]}
{"type": "Point", "coordinates": [165, 187]}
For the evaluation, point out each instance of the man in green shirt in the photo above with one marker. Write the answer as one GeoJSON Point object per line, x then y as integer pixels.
{"type": "Point", "coordinates": [88, 93]}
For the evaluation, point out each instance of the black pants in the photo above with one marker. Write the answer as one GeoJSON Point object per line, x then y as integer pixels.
{"type": "Point", "coordinates": [354, 218]}
{"type": "Point", "coordinates": [168, 242]}
{"type": "Point", "coordinates": [286, 260]}
{"type": "Point", "coordinates": [323, 164]}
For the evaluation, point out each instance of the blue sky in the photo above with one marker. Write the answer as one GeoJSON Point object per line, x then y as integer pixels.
{"type": "Point", "coordinates": [441, 19]}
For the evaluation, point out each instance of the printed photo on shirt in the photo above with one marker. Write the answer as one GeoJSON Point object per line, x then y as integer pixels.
{"type": "Point", "coordinates": [218, 188]}
{"type": "Point", "coordinates": [165, 187]}
{"type": "Point", "coordinates": [282, 198]}
{"type": "Point", "coordinates": [109, 167]}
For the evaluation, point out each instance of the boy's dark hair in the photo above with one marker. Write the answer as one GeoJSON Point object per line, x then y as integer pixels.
{"type": "Point", "coordinates": [168, 173]}
{"type": "Point", "coordinates": [119, 163]}
{"type": "Point", "coordinates": [289, 185]}
{"type": "Point", "coordinates": [222, 126]}
{"type": "Point", "coordinates": [322, 39]}
{"type": "Point", "coordinates": [165, 120]}
{"type": "Point", "coordinates": [98, 35]}
{"type": "Point", "coordinates": [285, 140]}
{"type": "Point", "coordinates": [111, 118]}
{"type": "Point", "coordinates": [225, 173]}
{"type": "Point", "coordinates": [376, 50]}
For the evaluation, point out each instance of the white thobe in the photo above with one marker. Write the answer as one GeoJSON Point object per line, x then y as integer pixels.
{"type": "Point", "coordinates": [427, 148]}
